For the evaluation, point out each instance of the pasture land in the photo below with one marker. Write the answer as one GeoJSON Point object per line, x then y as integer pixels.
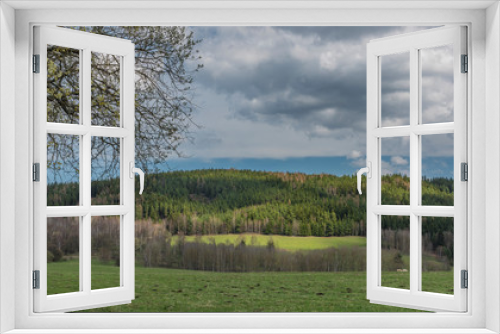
{"type": "Point", "coordinates": [280, 241]}
{"type": "Point", "coordinates": [173, 290]}
{"type": "Point", "coordinates": [62, 277]}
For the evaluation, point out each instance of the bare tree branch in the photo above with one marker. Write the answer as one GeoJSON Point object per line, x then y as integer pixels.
{"type": "Point", "coordinates": [166, 62]}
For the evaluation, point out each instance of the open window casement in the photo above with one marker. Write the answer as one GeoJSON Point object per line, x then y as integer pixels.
{"type": "Point", "coordinates": [422, 124]}
{"type": "Point", "coordinates": [82, 133]}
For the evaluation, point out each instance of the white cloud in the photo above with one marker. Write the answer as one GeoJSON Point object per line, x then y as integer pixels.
{"type": "Point", "coordinates": [388, 168]}
{"type": "Point", "coordinates": [397, 160]}
{"type": "Point", "coordinates": [358, 163]}
{"type": "Point", "coordinates": [328, 60]}
{"type": "Point", "coordinates": [354, 154]}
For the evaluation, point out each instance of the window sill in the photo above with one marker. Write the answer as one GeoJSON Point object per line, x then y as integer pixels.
{"type": "Point", "coordinates": [256, 331]}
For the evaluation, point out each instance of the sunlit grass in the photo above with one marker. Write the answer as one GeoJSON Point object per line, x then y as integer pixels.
{"type": "Point", "coordinates": [280, 241]}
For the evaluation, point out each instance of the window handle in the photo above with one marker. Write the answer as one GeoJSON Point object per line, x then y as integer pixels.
{"type": "Point", "coordinates": [139, 171]}
{"type": "Point", "coordinates": [368, 171]}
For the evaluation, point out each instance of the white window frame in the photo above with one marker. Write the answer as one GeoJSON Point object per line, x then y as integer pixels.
{"type": "Point", "coordinates": [86, 43]}
{"type": "Point", "coordinates": [482, 19]}
{"type": "Point", "coordinates": [411, 44]}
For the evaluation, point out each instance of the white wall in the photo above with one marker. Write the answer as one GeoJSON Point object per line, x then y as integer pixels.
{"type": "Point", "coordinates": [7, 159]}
{"type": "Point", "coordinates": [22, 184]}
{"type": "Point", "coordinates": [492, 146]}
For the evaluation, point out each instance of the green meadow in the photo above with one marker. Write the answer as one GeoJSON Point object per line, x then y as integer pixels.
{"type": "Point", "coordinates": [63, 276]}
{"type": "Point", "coordinates": [280, 241]}
{"type": "Point", "coordinates": [174, 290]}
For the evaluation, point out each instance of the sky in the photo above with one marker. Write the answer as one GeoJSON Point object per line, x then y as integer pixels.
{"type": "Point", "coordinates": [293, 99]}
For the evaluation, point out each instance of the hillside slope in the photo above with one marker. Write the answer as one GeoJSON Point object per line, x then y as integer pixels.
{"type": "Point", "coordinates": [219, 201]}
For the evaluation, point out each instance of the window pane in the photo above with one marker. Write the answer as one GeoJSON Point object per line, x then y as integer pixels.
{"type": "Point", "coordinates": [105, 89]}
{"type": "Point", "coordinates": [437, 84]}
{"type": "Point", "coordinates": [105, 252]}
{"type": "Point", "coordinates": [395, 170]}
{"type": "Point", "coordinates": [437, 170]}
{"type": "Point", "coordinates": [395, 86]}
{"type": "Point", "coordinates": [63, 170]}
{"type": "Point", "coordinates": [63, 84]}
{"type": "Point", "coordinates": [105, 171]}
{"type": "Point", "coordinates": [63, 265]}
{"type": "Point", "coordinates": [437, 254]}
{"type": "Point", "coordinates": [395, 243]}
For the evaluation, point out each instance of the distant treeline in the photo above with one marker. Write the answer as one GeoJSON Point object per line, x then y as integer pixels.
{"type": "Point", "coordinates": [154, 247]}
{"type": "Point", "coordinates": [220, 201]}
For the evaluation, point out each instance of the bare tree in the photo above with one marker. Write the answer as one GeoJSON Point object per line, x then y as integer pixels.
{"type": "Point", "coordinates": [166, 61]}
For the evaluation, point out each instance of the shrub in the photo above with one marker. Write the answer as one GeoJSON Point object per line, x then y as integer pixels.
{"type": "Point", "coordinates": [50, 256]}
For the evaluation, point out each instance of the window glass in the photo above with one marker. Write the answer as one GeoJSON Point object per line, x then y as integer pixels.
{"type": "Point", "coordinates": [437, 84]}
{"type": "Point", "coordinates": [395, 171]}
{"type": "Point", "coordinates": [63, 170]}
{"type": "Point", "coordinates": [105, 171]}
{"type": "Point", "coordinates": [437, 254]}
{"type": "Point", "coordinates": [63, 260]}
{"type": "Point", "coordinates": [105, 75]}
{"type": "Point", "coordinates": [63, 85]}
{"type": "Point", "coordinates": [395, 250]}
{"type": "Point", "coordinates": [395, 89]}
{"type": "Point", "coordinates": [437, 169]}
{"type": "Point", "coordinates": [106, 254]}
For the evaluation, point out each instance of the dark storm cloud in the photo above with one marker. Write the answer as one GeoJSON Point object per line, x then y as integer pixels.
{"type": "Point", "coordinates": [307, 100]}
{"type": "Point", "coordinates": [395, 80]}
{"type": "Point", "coordinates": [344, 33]}
{"type": "Point", "coordinates": [308, 78]}
{"type": "Point", "coordinates": [312, 79]}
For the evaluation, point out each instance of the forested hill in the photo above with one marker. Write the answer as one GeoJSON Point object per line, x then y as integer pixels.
{"type": "Point", "coordinates": [214, 201]}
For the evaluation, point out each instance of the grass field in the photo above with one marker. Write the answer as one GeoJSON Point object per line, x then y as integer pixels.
{"type": "Point", "coordinates": [62, 277]}
{"type": "Point", "coordinates": [171, 290]}
{"type": "Point", "coordinates": [282, 242]}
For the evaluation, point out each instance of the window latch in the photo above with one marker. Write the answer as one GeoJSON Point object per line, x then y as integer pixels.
{"type": "Point", "coordinates": [132, 171]}
{"type": "Point", "coordinates": [368, 171]}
